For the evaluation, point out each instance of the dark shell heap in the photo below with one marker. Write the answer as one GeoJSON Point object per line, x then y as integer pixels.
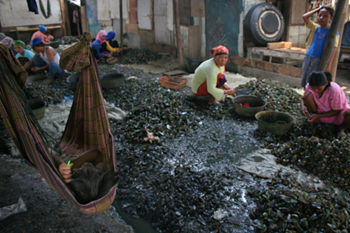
{"type": "Point", "coordinates": [138, 56]}
{"type": "Point", "coordinates": [184, 200]}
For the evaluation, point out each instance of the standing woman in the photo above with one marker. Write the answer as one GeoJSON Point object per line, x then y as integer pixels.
{"type": "Point", "coordinates": [209, 77]}
{"type": "Point", "coordinates": [96, 46]}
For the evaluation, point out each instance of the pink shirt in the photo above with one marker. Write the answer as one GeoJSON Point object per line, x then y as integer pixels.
{"type": "Point", "coordinates": [39, 34]}
{"type": "Point", "coordinates": [333, 98]}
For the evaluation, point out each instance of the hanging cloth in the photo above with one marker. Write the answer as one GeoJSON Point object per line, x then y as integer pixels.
{"type": "Point", "coordinates": [75, 16]}
{"type": "Point", "coordinates": [32, 6]}
{"type": "Point", "coordinates": [33, 143]}
{"type": "Point", "coordinates": [42, 9]}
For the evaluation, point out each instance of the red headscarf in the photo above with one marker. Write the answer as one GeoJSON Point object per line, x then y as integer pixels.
{"type": "Point", "coordinates": [218, 50]}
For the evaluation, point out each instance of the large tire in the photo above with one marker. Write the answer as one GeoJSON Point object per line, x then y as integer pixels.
{"type": "Point", "coordinates": [264, 23]}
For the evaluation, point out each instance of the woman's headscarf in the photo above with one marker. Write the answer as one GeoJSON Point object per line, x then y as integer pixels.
{"type": "Point", "coordinates": [218, 50]}
{"type": "Point", "coordinates": [2, 36]}
{"type": "Point", "coordinates": [110, 36]}
{"type": "Point", "coordinates": [7, 41]}
{"type": "Point", "coordinates": [42, 28]}
{"type": "Point", "coordinates": [19, 42]}
{"type": "Point", "coordinates": [101, 33]}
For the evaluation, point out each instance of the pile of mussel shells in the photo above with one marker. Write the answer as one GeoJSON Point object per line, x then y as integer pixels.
{"type": "Point", "coordinates": [329, 160]}
{"type": "Point", "coordinates": [312, 148]}
{"type": "Point", "coordinates": [43, 92]}
{"type": "Point", "coordinates": [138, 56]}
{"type": "Point", "coordinates": [285, 207]}
{"type": "Point", "coordinates": [180, 199]}
{"type": "Point", "coordinates": [174, 201]}
{"type": "Point", "coordinates": [68, 39]}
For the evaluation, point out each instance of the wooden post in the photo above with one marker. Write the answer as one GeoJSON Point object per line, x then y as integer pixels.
{"type": "Point", "coordinates": [121, 25]}
{"type": "Point", "coordinates": [329, 43]}
{"type": "Point", "coordinates": [344, 19]}
{"type": "Point", "coordinates": [63, 15]}
{"type": "Point", "coordinates": [178, 32]}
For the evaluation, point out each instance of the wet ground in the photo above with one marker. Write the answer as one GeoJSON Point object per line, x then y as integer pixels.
{"type": "Point", "coordinates": [188, 181]}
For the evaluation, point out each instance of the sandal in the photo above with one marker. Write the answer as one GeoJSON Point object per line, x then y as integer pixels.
{"type": "Point", "coordinates": [341, 135]}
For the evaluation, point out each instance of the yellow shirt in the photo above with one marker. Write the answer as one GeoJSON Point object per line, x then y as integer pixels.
{"type": "Point", "coordinates": [208, 71]}
{"type": "Point", "coordinates": [110, 48]}
{"type": "Point", "coordinates": [313, 26]}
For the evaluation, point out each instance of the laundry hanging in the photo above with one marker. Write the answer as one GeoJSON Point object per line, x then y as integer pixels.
{"type": "Point", "coordinates": [32, 6]}
{"type": "Point", "coordinates": [42, 9]}
{"type": "Point", "coordinates": [30, 139]}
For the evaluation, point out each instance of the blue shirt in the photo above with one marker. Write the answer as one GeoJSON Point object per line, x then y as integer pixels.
{"type": "Point", "coordinates": [27, 53]}
{"type": "Point", "coordinates": [95, 46]}
{"type": "Point", "coordinates": [316, 48]}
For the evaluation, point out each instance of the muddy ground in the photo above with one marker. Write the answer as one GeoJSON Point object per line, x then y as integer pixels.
{"type": "Point", "coordinates": [47, 211]}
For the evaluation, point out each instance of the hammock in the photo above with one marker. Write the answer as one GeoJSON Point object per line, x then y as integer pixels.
{"type": "Point", "coordinates": [88, 107]}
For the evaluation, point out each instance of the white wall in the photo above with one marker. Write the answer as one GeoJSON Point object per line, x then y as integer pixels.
{"type": "Point", "coordinates": [109, 9]}
{"type": "Point", "coordinates": [108, 15]}
{"type": "Point", "coordinates": [250, 3]}
{"type": "Point", "coordinates": [163, 21]}
{"type": "Point", "coordinates": [15, 13]}
{"type": "Point", "coordinates": [297, 35]}
{"type": "Point", "coordinates": [144, 14]}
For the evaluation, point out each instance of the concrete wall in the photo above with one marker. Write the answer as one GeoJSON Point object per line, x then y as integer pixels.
{"type": "Point", "coordinates": [15, 13]}
{"type": "Point", "coordinates": [297, 35]}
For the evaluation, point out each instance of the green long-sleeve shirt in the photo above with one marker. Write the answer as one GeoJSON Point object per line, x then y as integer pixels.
{"type": "Point", "coordinates": [208, 71]}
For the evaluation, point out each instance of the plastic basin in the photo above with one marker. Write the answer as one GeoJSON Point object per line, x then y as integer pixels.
{"type": "Point", "coordinates": [193, 64]}
{"type": "Point", "coordinates": [277, 123]}
{"type": "Point", "coordinates": [73, 80]}
{"type": "Point", "coordinates": [112, 80]}
{"type": "Point", "coordinates": [38, 107]}
{"type": "Point", "coordinates": [256, 105]}
{"type": "Point", "coordinates": [54, 44]}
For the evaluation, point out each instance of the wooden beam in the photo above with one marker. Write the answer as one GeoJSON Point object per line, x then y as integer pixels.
{"type": "Point", "coordinates": [279, 45]}
{"type": "Point", "coordinates": [272, 67]}
{"type": "Point", "coordinates": [84, 19]}
{"type": "Point", "coordinates": [121, 24]}
{"type": "Point", "coordinates": [178, 32]}
{"type": "Point", "coordinates": [334, 66]}
{"type": "Point", "coordinates": [329, 43]}
{"type": "Point", "coordinates": [63, 15]}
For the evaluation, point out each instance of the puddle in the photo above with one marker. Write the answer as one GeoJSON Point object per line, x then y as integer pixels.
{"type": "Point", "coordinates": [138, 224]}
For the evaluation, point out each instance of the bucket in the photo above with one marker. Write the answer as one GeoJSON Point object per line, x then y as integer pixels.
{"type": "Point", "coordinates": [54, 44]}
{"type": "Point", "coordinates": [277, 123]}
{"type": "Point", "coordinates": [192, 65]}
{"type": "Point", "coordinates": [38, 107]}
{"type": "Point", "coordinates": [73, 80]}
{"type": "Point", "coordinates": [112, 80]}
{"type": "Point", "coordinates": [256, 105]}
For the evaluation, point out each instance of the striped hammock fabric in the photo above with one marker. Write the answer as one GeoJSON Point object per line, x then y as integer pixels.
{"type": "Point", "coordinates": [88, 107]}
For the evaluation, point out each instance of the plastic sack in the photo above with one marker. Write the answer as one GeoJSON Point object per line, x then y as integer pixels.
{"type": "Point", "coordinates": [12, 209]}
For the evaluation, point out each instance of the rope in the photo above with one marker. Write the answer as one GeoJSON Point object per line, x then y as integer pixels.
{"type": "Point", "coordinates": [42, 9]}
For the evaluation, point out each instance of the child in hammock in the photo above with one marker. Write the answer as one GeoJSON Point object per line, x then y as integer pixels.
{"type": "Point", "coordinates": [86, 177]}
